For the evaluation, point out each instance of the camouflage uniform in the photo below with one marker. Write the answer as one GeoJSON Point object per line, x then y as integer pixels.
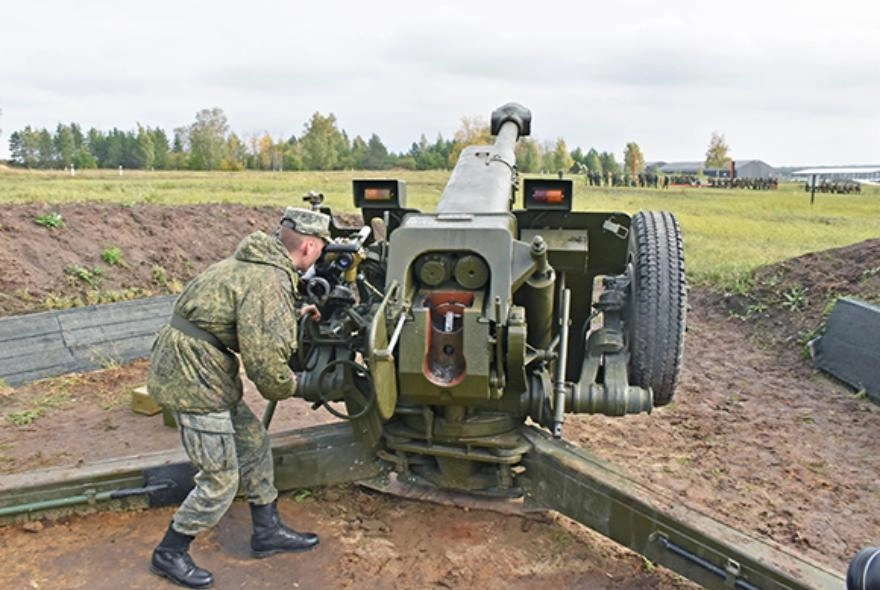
{"type": "Point", "coordinates": [227, 448]}
{"type": "Point", "coordinates": [245, 303]}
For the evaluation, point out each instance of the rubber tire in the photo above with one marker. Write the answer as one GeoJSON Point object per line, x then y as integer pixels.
{"type": "Point", "coordinates": [864, 570]}
{"type": "Point", "coordinates": [654, 319]}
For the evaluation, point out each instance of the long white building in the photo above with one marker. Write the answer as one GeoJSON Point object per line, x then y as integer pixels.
{"type": "Point", "coordinates": [867, 174]}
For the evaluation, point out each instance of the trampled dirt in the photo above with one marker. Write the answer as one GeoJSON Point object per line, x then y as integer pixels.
{"type": "Point", "coordinates": [755, 436]}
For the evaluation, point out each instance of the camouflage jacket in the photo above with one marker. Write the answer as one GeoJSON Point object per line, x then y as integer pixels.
{"type": "Point", "coordinates": [247, 302]}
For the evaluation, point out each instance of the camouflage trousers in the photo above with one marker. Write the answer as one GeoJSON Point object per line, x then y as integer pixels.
{"type": "Point", "coordinates": [227, 448]}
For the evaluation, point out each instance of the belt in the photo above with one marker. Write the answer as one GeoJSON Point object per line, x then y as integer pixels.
{"type": "Point", "coordinates": [190, 329]}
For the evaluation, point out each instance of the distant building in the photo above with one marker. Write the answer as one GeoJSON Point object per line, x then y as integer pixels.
{"type": "Point", "coordinates": [740, 169]}
{"type": "Point", "coordinates": [688, 168]}
{"type": "Point", "coordinates": [754, 169]}
{"type": "Point", "coordinates": [867, 174]}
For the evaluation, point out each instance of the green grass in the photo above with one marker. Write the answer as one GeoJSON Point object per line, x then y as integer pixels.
{"type": "Point", "coordinates": [39, 407]}
{"type": "Point", "coordinates": [727, 233]}
{"type": "Point", "coordinates": [183, 188]}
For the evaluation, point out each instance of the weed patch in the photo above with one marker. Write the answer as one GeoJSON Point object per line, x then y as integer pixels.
{"type": "Point", "coordinates": [794, 299]}
{"type": "Point", "coordinates": [160, 277]}
{"type": "Point", "coordinates": [112, 255]}
{"type": "Point", "coordinates": [90, 276]}
{"type": "Point", "coordinates": [40, 406]}
{"type": "Point", "coordinates": [52, 220]}
{"type": "Point", "coordinates": [56, 301]}
{"type": "Point", "coordinates": [23, 418]}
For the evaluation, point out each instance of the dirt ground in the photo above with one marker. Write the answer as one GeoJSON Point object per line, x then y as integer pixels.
{"type": "Point", "coordinates": [755, 436]}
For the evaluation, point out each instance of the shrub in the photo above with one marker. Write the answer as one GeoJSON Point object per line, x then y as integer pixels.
{"type": "Point", "coordinates": [112, 255]}
{"type": "Point", "coordinates": [51, 220]}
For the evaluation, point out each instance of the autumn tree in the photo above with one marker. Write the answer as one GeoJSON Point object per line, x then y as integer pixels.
{"type": "Point", "coordinates": [562, 160]}
{"type": "Point", "coordinates": [263, 155]}
{"type": "Point", "coordinates": [716, 155]}
{"type": "Point", "coordinates": [292, 154]}
{"type": "Point", "coordinates": [234, 154]}
{"type": "Point", "coordinates": [473, 131]}
{"type": "Point", "coordinates": [633, 159]}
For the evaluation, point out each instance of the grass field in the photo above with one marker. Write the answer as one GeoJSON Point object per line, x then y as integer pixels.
{"type": "Point", "coordinates": [727, 233]}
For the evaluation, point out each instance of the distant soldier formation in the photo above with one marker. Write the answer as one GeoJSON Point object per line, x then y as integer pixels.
{"type": "Point", "coordinates": [651, 180]}
{"type": "Point", "coordinates": [616, 179]}
{"type": "Point", "coordinates": [840, 187]}
{"type": "Point", "coordinates": [681, 180]}
{"type": "Point", "coordinates": [754, 184]}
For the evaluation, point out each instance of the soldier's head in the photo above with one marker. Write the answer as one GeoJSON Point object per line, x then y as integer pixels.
{"type": "Point", "coordinates": [304, 233]}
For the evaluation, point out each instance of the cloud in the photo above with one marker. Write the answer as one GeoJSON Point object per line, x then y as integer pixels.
{"type": "Point", "coordinates": [785, 83]}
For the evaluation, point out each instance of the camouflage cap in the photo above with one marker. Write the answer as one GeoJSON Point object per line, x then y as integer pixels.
{"type": "Point", "coordinates": [307, 222]}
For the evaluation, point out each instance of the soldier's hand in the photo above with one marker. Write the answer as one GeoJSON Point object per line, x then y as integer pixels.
{"type": "Point", "coordinates": [311, 310]}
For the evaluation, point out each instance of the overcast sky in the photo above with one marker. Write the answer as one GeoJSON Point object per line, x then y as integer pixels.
{"type": "Point", "coordinates": [791, 83]}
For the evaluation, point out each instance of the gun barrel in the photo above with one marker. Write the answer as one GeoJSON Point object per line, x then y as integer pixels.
{"type": "Point", "coordinates": [505, 141]}
{"type": "Point", "coordinates": [484, 177]}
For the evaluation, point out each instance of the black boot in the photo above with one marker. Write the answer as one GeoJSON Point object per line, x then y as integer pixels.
{"type": "Point", "coordinates": [171, 560]}
{"type": "Point", "coordinates": [270, 536]}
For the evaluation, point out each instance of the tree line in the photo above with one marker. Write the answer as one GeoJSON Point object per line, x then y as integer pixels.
{"type": "Point", "coordinates": [208, 144]}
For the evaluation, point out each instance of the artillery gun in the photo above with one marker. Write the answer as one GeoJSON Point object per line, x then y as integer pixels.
{"type": "Point", "coordinates": [450, 329]}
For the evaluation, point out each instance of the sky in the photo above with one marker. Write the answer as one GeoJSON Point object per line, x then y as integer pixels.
{"type": "Point", "coordinates": [790, 83]}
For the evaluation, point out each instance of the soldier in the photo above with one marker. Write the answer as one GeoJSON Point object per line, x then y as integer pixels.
{"type": "Point", "coordinates": [243, 304]}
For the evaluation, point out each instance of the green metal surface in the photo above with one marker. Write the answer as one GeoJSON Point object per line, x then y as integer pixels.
{"type": "Point", "coordinates": [565, 478]}
{"type": "Point", "coordinates": [421, 361]}
{"type": "Point", "coordinates": [381, 360]}
{"type": "Point", "coordinates": [599, 237]}
{"type": "Point", "coordinates": [321, 456]}
{"type": "Point", "coordinates": [491, 236]}
{"type": "Point", "coordinates": [310, 457]}
{"type": "Point", "coordinates": [83, 489]}
{"type": "Point", "coordinates": [471, 271]}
